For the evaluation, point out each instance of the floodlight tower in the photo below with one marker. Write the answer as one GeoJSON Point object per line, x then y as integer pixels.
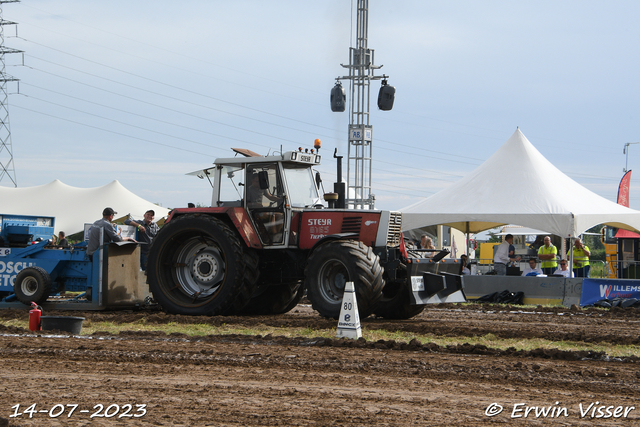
{"type": "Point", "coordinates": [6, 152]}
{"type": "Point", "coordinates": [361, 72]}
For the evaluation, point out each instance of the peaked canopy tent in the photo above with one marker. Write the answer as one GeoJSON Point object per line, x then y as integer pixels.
{"type": "Point", "coordinates": [544, 198]}
{"type": "Point", "coordinates": [72, 207]}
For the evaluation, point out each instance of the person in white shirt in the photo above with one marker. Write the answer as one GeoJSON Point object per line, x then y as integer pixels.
{"type": "Point", "coordinates": [563, 269]}
{"type": "Point", "coordinates": [532, 269]}
{"type": "Point", "coordinates": [502, 256]}
{"type": "Point", "coordinates": [427, 243]}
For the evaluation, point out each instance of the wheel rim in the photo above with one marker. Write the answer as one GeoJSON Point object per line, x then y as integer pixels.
{"type": "Point", "coordinates": [200, 268]}
{"type": "Point", "coordinates": [29, 286]}
{"type": "Point", "coordinates": [333, 277]}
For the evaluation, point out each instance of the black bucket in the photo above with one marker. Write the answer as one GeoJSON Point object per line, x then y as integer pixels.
{"type": "Point", "coordinates": [61, 323]}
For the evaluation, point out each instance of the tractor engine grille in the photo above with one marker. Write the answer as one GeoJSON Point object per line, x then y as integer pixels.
{"type": "Point", "coordinates": [351, 225]}
{"type": "Point", "coordinates": [395, 229]}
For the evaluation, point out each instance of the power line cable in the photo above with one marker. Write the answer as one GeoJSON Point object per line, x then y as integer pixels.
{"type": "Point", "coordinates": [457, 160]}
{"type": "Point", "coordinates": [192, 92]}
{"type": "Point", "coordinates": [142, 128]}
{"type": "Point", "coordinates": [166, 122]}
{"type": "Point", "coordinates": [171, 52]}
{"type": "Point", "coordinates": [112, 131]}
{"type": "Point", "coordinates": [458, 156]}
{"type": "Point", "coordinates": [156, 94]}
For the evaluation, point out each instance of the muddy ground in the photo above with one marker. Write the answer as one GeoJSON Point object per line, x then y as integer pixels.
{"type": "Point", "coordinates": [270, 380]}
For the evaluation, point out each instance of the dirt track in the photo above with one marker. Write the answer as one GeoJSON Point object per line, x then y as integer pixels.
{"type": "Point", "coordinates": [239, 380]}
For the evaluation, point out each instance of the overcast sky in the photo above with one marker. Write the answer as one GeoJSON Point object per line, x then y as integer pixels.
{"type": "Point", "coordinates": [145, 91]}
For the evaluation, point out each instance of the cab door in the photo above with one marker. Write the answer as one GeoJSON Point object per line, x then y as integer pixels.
{"type": "Point", "coordinates": [265, 200]}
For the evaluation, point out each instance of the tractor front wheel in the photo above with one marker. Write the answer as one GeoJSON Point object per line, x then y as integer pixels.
{"type": "Point", "coordinates": [335, 263]}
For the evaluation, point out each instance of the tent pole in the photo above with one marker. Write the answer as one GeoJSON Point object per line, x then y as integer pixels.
{"type": "Point", "coordinates": [467, 248]}
{"type": "Point", "coordinates": [571, 254]}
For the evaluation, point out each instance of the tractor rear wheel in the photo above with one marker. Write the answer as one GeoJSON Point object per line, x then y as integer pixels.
{"type": "Point", "coordinates": [198, 266]}
{"type": "Point", "coordinates": [251, 274]}
{"type": "Point", "coordinates": [275, 298]}
{"type": "Point", "coordinates": [32, 284]}
{"type": "Point", "coordinates": [335, 263]}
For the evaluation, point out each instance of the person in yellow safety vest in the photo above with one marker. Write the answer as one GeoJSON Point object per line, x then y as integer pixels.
{"type": "Point", "coordinates": [581, 256]}
{"type": "Point", "coordinates": [547, 254]}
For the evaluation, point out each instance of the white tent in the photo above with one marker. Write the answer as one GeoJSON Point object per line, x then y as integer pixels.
{"type": "Point", "coordinates": [72, 207]}
{"type": "Point", "coordinates": [517, 185]}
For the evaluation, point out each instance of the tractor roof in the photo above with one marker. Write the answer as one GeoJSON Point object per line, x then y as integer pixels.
{"type": "Point", "coordinates": [248, 156]}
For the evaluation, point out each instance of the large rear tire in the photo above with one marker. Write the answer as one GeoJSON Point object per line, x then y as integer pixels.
{"type": "Point", "coordinates": [251, 274]}
{"type": "Point", "coordinates": [198, 266]}
{"type": "Point", "coordinates": [275, 298]}
{"type": "Point", "coordinates": [32, 284]}
{"type": "Point", "coordinates": [396, 303]}
{"type": "Point", "coordinates": [335, 263]}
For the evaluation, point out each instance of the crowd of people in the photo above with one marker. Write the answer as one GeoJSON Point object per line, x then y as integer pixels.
{"type": "Point", "coordinates": [548, 256]}
{"type": "Point", "coordinates": [547, 262]}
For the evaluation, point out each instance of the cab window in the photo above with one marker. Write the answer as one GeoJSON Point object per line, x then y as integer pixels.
{"type": "Point", "coordinates": [231, 184]}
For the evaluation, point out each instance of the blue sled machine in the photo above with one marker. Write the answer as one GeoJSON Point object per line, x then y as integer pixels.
{"type": "Point", "coordinates": [33, 269]}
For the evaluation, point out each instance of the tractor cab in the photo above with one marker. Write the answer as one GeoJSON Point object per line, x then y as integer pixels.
{"type": "Point", "coordinates": [272, 189]}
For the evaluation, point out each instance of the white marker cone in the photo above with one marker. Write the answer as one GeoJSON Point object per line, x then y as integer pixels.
{"type": "Point", "coordinates": [349, 320]}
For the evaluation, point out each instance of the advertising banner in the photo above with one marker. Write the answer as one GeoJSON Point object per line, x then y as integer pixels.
{"type": "Point", "coordinates": [594, 290]}
{"type": "Point", "coordinates": [623, 189]}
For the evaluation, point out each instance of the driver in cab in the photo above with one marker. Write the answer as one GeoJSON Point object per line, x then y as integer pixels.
{"type": "Point", "coordinates": [255, 194]}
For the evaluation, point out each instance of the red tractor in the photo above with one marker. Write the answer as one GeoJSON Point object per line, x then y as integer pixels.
{"type": "Point", "coordinates": [267, 238]}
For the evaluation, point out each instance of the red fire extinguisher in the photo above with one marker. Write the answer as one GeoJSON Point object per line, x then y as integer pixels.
{"type": "Point", "coordinates": [34, 317]}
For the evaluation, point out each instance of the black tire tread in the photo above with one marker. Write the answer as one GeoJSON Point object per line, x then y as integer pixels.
{"type": "Point", "coordinates": [368, 283]}
{"type": "Point", "coordinates": [246, 272]}
{"type": "Point", "coordinates": [251, 275]}
{"type": "Point", "coordinates": [44, 284]}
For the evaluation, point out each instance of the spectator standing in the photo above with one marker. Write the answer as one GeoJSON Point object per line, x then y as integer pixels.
{"type": "Point", "coordinates": [512, 255]}
{"type": "Point", "coordinates": [147, 230]}
{"type": "Point", "coordinates": [107, 229]}
{"type": "Point", "coordinates": [62, 242]}
{"type": "Point", "coordinates": [581, 256]}
{"type": "Point", "coordinates": [503, 256]}
{"type": "Point", "coordinates": [547, 254]}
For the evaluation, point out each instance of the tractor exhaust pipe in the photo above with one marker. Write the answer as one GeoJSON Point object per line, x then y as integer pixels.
{"type": "Point", "coordinates": [339, 187]}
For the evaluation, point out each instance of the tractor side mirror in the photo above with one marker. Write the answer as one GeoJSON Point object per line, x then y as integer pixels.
{"type": "Point", "coordinates": [318, 180]}
{"type": "Point", "coordinates": [263, 178]}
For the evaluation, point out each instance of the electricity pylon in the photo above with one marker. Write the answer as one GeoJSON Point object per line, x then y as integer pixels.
{"type": "Point", "coordinates": [7, 168]}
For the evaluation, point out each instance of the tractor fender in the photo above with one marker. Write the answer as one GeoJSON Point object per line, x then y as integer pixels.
{"type": "Point", "coordinates": [236, 216]}
{"type": "Point", "coordinates": [243, 224]}
{"type": "Point", "coordinates": [333, 237]}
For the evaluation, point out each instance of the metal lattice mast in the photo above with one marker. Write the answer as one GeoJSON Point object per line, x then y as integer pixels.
{"type": "Point", "coordinates": [361, 72]}
{"type": "Point", "coordinates": [7, 168]}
